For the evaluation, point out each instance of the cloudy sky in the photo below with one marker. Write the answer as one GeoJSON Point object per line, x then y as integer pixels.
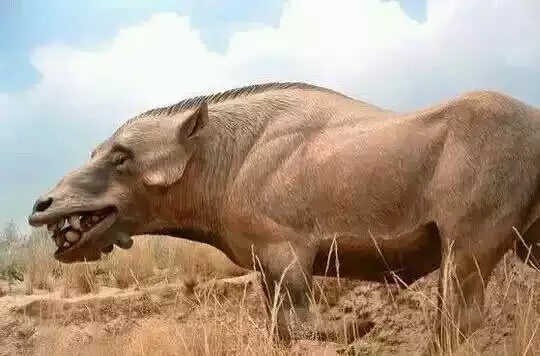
{"type": "Point", "coordinates": [71, 72]}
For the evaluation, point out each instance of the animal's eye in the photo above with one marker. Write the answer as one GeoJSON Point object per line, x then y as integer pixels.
{"type": "Point", "coordinates": [120, 159]}
{"type": "Point", "coordinates": [120, 156]}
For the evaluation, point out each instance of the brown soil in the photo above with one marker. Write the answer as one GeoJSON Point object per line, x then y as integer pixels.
{"type": "Point", "coordinates": [225, 317]}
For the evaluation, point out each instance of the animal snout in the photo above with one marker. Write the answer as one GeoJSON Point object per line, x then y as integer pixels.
{"type": "Point", "coordinates": [42, 204]}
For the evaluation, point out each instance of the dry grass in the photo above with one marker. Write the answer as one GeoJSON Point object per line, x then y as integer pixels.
{"type": "Point", "coordinates": [220, 335]}
{"type": "Point", "coordinates": [218, 321]}
{"type": "Point", "coordinates": [527, 336]}
{"type": "Point", "coordinates": [38, 265]}
{"type": "Point", "coordinates": [81, 277]}
{"type": "Point", "coordinates": [526, 339]}
{"type": "Point", "coordinates": [151, 259]}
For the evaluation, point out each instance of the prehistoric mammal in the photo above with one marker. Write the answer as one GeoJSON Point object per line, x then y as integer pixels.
{"type": "Point", "coordinates": [280, 170]}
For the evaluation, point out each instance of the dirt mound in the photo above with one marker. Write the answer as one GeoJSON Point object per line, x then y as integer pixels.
{"type": "Point", "coordinates": [226, 317]}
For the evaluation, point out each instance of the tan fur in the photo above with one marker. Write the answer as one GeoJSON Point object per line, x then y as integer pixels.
{"type": "Point", "coordinates": [281, 172]}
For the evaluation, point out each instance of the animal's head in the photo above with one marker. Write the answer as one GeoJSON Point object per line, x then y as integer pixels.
{"type": "Point", "coordinates": [113, 195]}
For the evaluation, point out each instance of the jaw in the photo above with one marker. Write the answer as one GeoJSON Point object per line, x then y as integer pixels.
{"type": "Point", "coordinates": [83, 235]}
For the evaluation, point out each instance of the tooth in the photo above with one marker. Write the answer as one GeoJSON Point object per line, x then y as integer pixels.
{"type": "Point", "coordinates": [72, 236]}
{"type": "Point", "coordinates": [59, 240]}
{"type": "Point", "coordinates": [61, 223]}
{"type": "Point", "coordinates": [54, 227]}
{"type": "Point", "coordinates": [75, 222]}
{"type": "Point", "coordinates": [66, 244]}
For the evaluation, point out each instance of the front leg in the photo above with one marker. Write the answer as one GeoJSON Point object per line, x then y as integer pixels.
{"type": "Point", "coordinates": [287, 278]}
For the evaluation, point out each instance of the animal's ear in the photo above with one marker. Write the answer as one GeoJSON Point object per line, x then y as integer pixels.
{"type": "Point", "coordinates": [165, 175]}
{"type": "Point", "coordinates": [166, 167]}
{"type": "Point", "coordinates": [192, 125]}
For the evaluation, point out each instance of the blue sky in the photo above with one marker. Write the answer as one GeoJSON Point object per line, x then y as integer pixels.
{"type": "Point", "coordinates": [27, 23]}
{"type": "Point", "coordinates": [71, 72]}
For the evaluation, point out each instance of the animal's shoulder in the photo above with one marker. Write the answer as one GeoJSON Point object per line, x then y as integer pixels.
{"type": "Point", "coordinates": [488, 103]}
{"type": "Point", "coordinates": [486, 106]}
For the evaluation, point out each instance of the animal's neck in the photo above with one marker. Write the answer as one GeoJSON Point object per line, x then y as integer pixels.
{"type": "Point", "coordinates": [196, 235]}
{"type": "Point", "coordinates": [193, 209]}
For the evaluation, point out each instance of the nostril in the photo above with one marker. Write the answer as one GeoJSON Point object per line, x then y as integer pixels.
{"type": "Point", "coordinates": [42, 204]}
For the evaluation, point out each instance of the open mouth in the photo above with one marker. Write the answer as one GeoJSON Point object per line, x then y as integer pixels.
{"type": "Point", "coordinates": [74, 230]}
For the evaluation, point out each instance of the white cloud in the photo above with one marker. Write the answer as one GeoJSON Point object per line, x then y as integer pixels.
{"type": "Point", "coordinates": [368, 48]}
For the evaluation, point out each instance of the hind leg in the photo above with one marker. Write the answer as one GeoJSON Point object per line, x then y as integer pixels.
{"type": "Point", "coordinates": [287, 281]}
{"type": "Point", "coordinates": [467, 263]}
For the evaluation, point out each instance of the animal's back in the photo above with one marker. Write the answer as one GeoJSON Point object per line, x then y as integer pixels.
{"type": "Point", "coordinates": [331, 164]}
{"type": "Point", "coordinates": [339, 167]}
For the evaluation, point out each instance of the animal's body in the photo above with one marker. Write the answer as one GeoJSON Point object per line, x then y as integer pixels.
{"type": "Point", "coordinates": [283, 170]}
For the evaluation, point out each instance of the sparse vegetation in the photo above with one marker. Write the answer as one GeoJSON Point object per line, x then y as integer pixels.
{"type": "Point", "coordinates": [164, 297]}
{"type": "Point", "coordinates": [152, 259]}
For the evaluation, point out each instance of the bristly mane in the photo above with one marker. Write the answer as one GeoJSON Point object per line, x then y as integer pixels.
{"type": "Point", "coordinates": [194, 102]}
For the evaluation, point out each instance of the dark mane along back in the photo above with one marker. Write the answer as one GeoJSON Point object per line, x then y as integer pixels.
{"type": "Point", "coordinates": [194, 102]}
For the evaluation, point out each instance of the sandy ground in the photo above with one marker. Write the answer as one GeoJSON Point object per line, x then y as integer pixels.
{"type": "Point", "coordinates": [225, 317]}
